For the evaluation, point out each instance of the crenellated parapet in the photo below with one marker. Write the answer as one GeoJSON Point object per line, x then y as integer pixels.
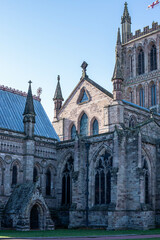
{"type": "Point", "coordinates": [13, 90]}
{"type": "Point", "coordinates": [146, 30]}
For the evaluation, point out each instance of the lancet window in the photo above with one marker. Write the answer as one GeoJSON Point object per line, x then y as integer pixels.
{"type": "Point", "coordinates": [35, 174]}
{"type": "Point", "coordinates": [67, 182]}
{"type": "Point", "coordinates": [146, 182]}
{"type": "Point", "coordinates": [14, 175]}
{"type": "Point", "coordinates": [48, 182]}
{"type": "Point", "coordinates": [141, 97]}
{"type": "Point", "coordinates": [103, 179]}
{"type": "Point", "coordinates": [84, 125]}
{"type": "Point", "coordinates": [153, 95]}
{"type": "Point", "coordinates": [140, 62]}
{"type": "Point", "coordinates": [153, 58]}
{"type": "Point", "coordinates": [73, 132]}
{"type": "Point", "coordinates": [95, 129]}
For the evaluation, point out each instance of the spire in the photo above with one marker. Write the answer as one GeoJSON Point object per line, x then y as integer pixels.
{"type": "Point", "coordinates": [117, 80]}
{"type": "Point", "coordinates": [117, 74]}
{"type": "Point", "coordinates": [29, 115]}
{"type": "Point", "coordinates": [58, 92]}
{"type": "Point", "coordinates": [29, 107]}
{"type": "Point", "coordinates": [126, 17]}
{"type": "Point", "coordinates": [118, 37]}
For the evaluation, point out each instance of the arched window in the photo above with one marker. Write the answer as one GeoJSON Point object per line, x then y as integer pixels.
{"type": "Point", "coordinates": [141, 97]}
{"type": "Point", "coordinates": [48, 182]}
{"type": "Point", "coordinates": [14, 175]}
{"type": "Point", "coordinates": [95, 127]}
{"type": "Point", "coordinates": [140, 62]}
{"type": "Point", "coordinates": [67, 183]}
{"type": "Point", "coordinates": [103, 179]}
{"type": "Point", "coordinates": [153, 58]}
{"type": "Point", "coordinates": [73, 132]}
{"type": "Point", "coordinates": [153, 95]}
{"type": "Point", "coordinates": [132, 122]}
{"type": "Point", "coordinates": [84, 125]}
{"type": "Point", "coordinates": [146, 182]}
{"type": "Point", "coordinates": [35, 174]}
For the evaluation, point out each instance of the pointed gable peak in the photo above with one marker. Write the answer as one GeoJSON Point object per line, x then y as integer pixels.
{"type": "Point", "coordinates": [58, 92]}
{"type": "Point", "coordinates": [126, 17]}
{"type": "Point", "coordinates": [117, 70]}
{"type": "Point", "coordinates": [118, 37]}
{"type": "Point", "coordinates": [29, 107]}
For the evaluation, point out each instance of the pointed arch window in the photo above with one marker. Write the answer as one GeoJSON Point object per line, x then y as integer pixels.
{"type": "Point", "coordinates": [95, 129]}
{"type": "Point", "coordinates": [84, 125]}
{"type": "Point", "coordinates": [35, 174]}
{"type": "Point", "coordinates": [153, 58]}
{"type": "Point", "coordinates": [140, 62]}
{"type": "Point", "coordinates": [141, 97]}
{"type": "Point", "coordinates": [146, 182]}
{"type": "Point", "coordinates": [14, 175]}
{"type": "Point", "coordinates": [73, 132]}
{"type": "Point", "coordinates": [103, 179]}
{"type": "Point", "coordinates": [153, 95]}
{"type": "Point", "coordinates": [48, 182]}
{"type": "Point", "coordinates": [67, 183]}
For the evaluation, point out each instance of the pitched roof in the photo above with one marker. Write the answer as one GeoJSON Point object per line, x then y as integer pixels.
{"type": "Point", "coordinates": [12, 105]}
{"type": "Point", "coordinates": [91, 82]}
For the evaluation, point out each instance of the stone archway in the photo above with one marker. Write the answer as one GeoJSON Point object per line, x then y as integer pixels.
{"type": "Point", "coordinates": [34, 217]}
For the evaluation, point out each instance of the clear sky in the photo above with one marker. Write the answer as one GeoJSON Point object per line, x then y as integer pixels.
{"type": "Point", "coordinates": [43, 38]}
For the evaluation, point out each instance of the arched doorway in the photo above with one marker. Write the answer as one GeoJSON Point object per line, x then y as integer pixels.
{"type": "Point", "coordinates": [34, 218]}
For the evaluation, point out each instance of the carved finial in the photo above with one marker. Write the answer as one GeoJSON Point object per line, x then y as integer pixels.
{"type": "Point", "coordinates": [39, 92]}
{"type": "Point", "coordinates": [84, 67]}
{"type": "Point", "coordinates": [30, 82]}
{"type": "Point", "coordinates": [58, 77]}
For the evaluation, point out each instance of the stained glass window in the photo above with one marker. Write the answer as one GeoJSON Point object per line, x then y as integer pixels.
{"type": "Point", "coordinates": [73, 132]}
{"type": "Point", "coordinates": [140, 62]}
{"type": "Point", "coordinates": [153, 95]}
{"type": "Point", "coordinates": [95, 127]}
{"type": "Point", "coordinates": [14, 175]}
{"type": "Point", "coordinates": [103, 180]}
{"type": "Point", "coordinates": [153, 58]}
{"type": "Point", "coordinates": [84, 125]}
{"type": "Point", "coordinates": [84, 97]}
{"type": "Point", "coordinates": [67, 183]}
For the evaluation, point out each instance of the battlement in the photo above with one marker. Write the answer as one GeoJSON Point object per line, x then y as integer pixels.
{"type": "Point", "coordinates": [13, 90]}
{"type": "Point", "coordinates": [146, 30]}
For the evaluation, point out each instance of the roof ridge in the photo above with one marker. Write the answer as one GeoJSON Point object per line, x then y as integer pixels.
{"type": "Point", "coordinates": [18, 92]}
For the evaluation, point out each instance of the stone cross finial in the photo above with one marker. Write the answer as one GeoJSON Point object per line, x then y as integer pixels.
{"type": "Point", "coordinates": [84, 67]}
{"type": "Point", "coordinates": [30, 82]}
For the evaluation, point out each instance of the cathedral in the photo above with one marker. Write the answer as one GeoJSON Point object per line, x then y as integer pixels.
{"type": "Point", "coordinates": [96, 164]}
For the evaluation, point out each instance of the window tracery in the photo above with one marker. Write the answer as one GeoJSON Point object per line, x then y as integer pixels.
{"type": "Point", "coordinates": [103, 179]}
{"type": "Point", "coordinates": [67, 182]}
{"type": "Point", "coordinates": [153, 58]}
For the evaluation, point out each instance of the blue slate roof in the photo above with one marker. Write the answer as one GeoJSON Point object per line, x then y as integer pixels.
{"type": "Point", "coordinates": [11, 115]}
{"type": "Point", "coordinates": [135, 105]}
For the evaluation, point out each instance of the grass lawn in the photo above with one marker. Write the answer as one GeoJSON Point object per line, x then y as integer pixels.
{"type": "Point", "coordinates": [72, 232]}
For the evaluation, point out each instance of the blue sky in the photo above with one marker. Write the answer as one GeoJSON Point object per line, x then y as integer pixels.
{"type": "Point", "coordinates": [43, 38]}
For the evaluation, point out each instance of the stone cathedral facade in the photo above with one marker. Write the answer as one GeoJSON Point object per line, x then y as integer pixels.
{"type": "Point", "coordinates": [98, 163]}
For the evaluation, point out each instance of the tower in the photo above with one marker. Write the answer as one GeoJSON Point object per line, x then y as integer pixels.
{"type": "Point", "coordinates": [58, 98]}
{"type": "Point", "coordinates": [126, 24]}
{"type": "Point", "coordinates": [29, 114]}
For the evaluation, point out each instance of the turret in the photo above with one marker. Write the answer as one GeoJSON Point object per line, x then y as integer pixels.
{"type": "Point", "coordinates": [29, 114]}
{"type": "Point", "coordinates": [126, 24]}
{"type": "Point", "coordinates": [117, 80]}
{"type": "Point", "coordinates": [58, 99]}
